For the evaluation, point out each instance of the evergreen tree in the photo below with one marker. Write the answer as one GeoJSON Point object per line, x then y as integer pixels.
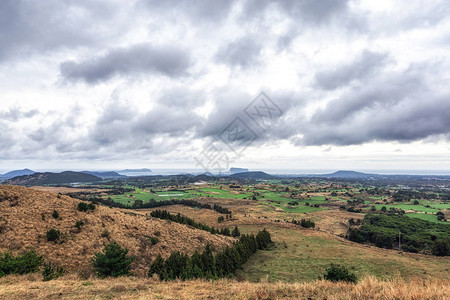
{"type": "Point", "coordinates": [235, 232]}
{"type": "Point", "coordinates": [113, 261]}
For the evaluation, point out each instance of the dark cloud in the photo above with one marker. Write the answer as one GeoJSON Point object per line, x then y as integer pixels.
{"type": "Point", "coordinates": [138, 59]}
{"type": "Point", "coordinates": [367, 64]}
{"type": "Point", "coordinates": [402, 106]}
{"type": "Point", "coordinates": [316, 12]}
{"type": "Point", "coordinates": [244, 53]}
{"type": "Point", "coordinates": [28, 26]}
{"type": "Point", "coordinates": [196, 10]}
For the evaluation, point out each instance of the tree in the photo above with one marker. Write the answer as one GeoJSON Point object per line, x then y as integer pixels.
{"type": "Point", "coordinates": [113, 261]}
{"type": "Point", "coordinates": [157, 267]}
{"type": "Point", "coordinates": [339, 273]}
{"type": "Point", "coordinates": [235, 232]}
{"type": "Point", "coordinates": [441, 247]}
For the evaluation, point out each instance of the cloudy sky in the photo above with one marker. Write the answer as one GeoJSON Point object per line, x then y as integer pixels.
{"type": "Point", "coordinates": [96, 84]}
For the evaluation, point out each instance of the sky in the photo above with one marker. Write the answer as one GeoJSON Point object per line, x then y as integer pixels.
{"type": "Point", "coordinates": [304, 85]}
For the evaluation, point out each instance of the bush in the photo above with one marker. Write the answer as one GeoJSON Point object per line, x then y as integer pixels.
{"type": "Point", "coordinates": [53, 235]}
{"type": "Point", "coordinates": [339, 273]}
{"type": "Point", "coordinates": [441, 247]}
{"type": "Point", "coordinates": [154, 240]}
{"type": "Point", "coordinates": [113, 261]}
{"type": "Point", "coordinates": [51, 271]}
{"type": "Point", "coordinates": [28, 262]}
{"type": "Point", "coordinates": [82, 206]}
{"type": "Point", "coordinates": [78, 225]}
{"type": "Point", "coordinates": [55, 214]}
{"type": "Point", "coordinates": [105, 233]}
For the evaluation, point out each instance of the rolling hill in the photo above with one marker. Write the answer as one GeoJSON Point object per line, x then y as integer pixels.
{"type": "Point", "coordinates": [252, 175]}
{"type": "Point", "coordinates": [26, 216]}
{"type": "Point", "coordinates": [350, 175]}
{"type": "Point", "coordinates": [108, 174]}
{"type": "Point", "coordinates": [16, 173]}
{"type": "Point", "coordinates": [52, 178]}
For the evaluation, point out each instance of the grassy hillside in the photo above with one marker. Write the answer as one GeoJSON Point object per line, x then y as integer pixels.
{"type": "Point", "coordinates": [26, 215]}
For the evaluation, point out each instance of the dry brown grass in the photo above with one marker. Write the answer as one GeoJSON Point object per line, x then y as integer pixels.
{"type": "Point", "coordinates": [69, 287]}
{"type": "Point", "coordinates": [22, 226]}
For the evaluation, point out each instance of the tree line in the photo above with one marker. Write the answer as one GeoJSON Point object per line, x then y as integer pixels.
{"type": "Point", "coordinates": [206, 264]}
{"type": "Point", "coordinates": [178, 218]}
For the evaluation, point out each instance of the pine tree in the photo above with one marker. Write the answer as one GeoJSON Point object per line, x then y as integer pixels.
{"type": "Point", "coordinates": [235, 232]}
{"type": "Point", "coordinates": [113, 261]}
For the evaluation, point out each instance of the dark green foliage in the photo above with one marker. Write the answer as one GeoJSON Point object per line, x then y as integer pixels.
{"type": "Point", "coordinates": [339, 273]}
{"type": "Point", "coordinates": [178, 218]}
{"type": "Point", "coordinates": [83, 206]}
{"type": "Point", "coordinates": [113, 261]}
{"type": "Point", "coordinates": [235, 232]}
{"type": "Point", "coordinates": [55, 214]}
{"type": "Point", "coordinates": [220, 219]}
{"type": "Point", "coordinates": [304, 223]}
{"type": "Point", "coordinates": [51, 271]}
{"type": "Point", "coordinates": [28, 262]}
{"type": "Point", "coordinates": [441, 247]}
{"type": "Point", "coordinates": [150, 204]}
{"type": "Point", "coordinates": [78, 225]}
{"type": "Point", "coordinates": [53, 235]}
{"type": "Point", "coordinates": [383, 231]}
{"type": "Point", "coordinates": [154, 240]}
{"type": "Point", "coordinates": [205, 264]}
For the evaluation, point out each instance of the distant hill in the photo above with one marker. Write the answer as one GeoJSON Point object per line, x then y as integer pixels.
{"type": "Point", "coordinates": [109, 174]}
{"type": "Point", "coordinates": [15, 173]}
{"type": "Point", "coordinates": [252, 175]}
{"type": "Point", "coordinates": [52, 178]}
{"type": "Point", "coordinates": [350, 175]}
{"type": "Point", "coordinates": [135, 172]}
{"type": "Point", "coordinates": [27, 223]}
{"type": "Point", "coordinates": [238, 170]}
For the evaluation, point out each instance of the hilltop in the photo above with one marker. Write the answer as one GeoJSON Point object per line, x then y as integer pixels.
{"type": "Point", "coordinates": [26, 216]}
{"type": "Point", "coordinates": [52, 178]}
{"type": "Point", "coordinates": [15, 173]}
{"type": "Point", "coordinates": [252, 175]}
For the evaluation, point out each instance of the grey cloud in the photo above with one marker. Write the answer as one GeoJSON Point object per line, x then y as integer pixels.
{"type": "Point", "coordinates": [196, 10]}
{"type": "Point", "coordinates": [317, 11]}
{"type": "Point", "coordinates": [15, 114]}
{"type": "Point", "coordinates": [365, 65]}
{"type": "Point", "coordinates": [244, 52]}
{"type": "Point", "coordinates": [391, 107]}
{"type": "Point", "coordinates": [28, 26]}
{"type": "Point", "coordinates": [138, 59]}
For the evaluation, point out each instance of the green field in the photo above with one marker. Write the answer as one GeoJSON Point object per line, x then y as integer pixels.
{"type": "Point", "coordinates": [298, 257]}
{"type": "Point", "coordinates": [427, 217]}
{"type": "Point", "coordinates": [420, 208]}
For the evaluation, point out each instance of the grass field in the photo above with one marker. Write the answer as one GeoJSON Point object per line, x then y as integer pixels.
{"type": "Point", "coordinates": [303, 255]}
{"type": "Point", "coordinates": [419, 208]}
{"type": "Point", "coordinates": [427, 217]}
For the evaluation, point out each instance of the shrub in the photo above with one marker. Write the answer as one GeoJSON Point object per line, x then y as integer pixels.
{"type": "Point", "coordinates": [113, 261]}
{"type": "Point", "coordinates": [105, 233]}
{"type": "Point", "coordinates": [82, 206]}
{"type": "Point", "coordinates": [441, 247]}
{"type": "Point", "coordinates": [28, 262]}
{"type": "Point", "coordinates": [154, 240]}
{"type": "Point", "coordinates": [55, 214]}
{"type": "Point", "coordinates": [53, 235]}
{"type": "Point", "coordinates": [52, 271]}
{"type": "Point", "coordinates": [78, 225]}
{"type": "Point", "coordinates": [220, 219]}
{"type": "Point", "coordinates": [339, 273]}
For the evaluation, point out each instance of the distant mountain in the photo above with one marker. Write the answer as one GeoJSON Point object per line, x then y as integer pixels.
{"type": "Point", "coordinates": [144, 170]}
{"type": "Point", "coordinates": [252, 175]}
{"type": "Point", "coordinates": [52, 178]}
{"type": "Point", "coordinates": [109, 174]}
{"type": "Point", "coordinates": [238, 170]}
{"type": "Point", "coordinates": [135, 172]}
{"type": "Point", "coordinates": [15, 173]}
{"type": "Point", "coordinates": [350, 175]}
